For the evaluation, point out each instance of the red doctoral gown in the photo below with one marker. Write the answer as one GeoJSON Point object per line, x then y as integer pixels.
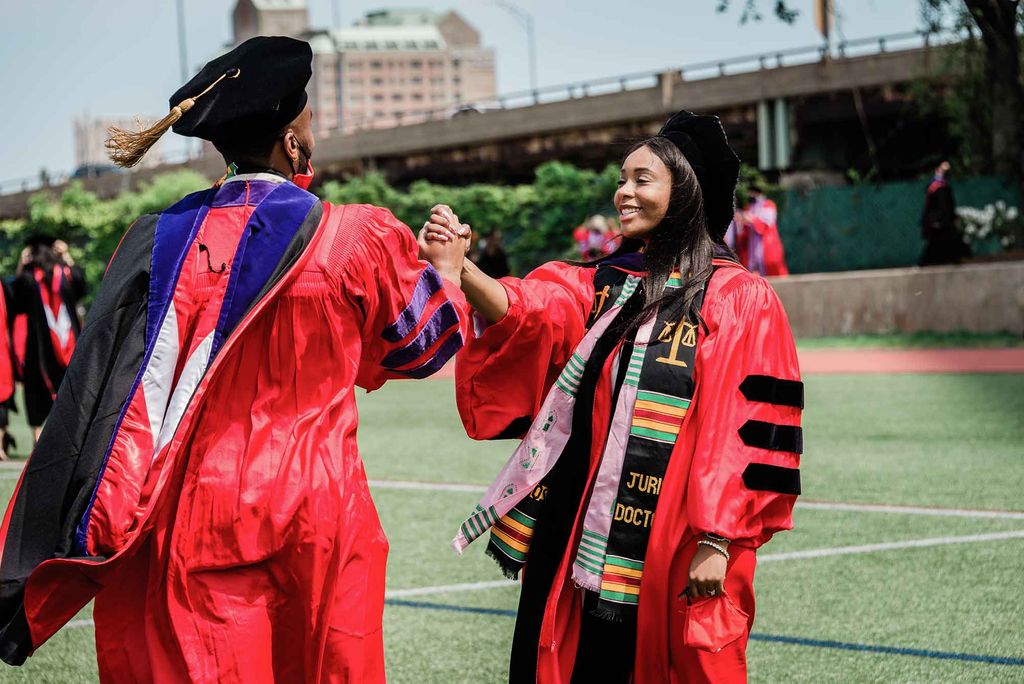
{"type": "Point", "coordinates": [711, 485]}
{"type": "Point", "coordinates": [214, 501]}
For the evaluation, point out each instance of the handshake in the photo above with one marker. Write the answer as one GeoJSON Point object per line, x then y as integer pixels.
{"type": "Point", "coordinates": [444, 242]}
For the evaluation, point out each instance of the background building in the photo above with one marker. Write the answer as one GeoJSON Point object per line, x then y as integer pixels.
{"type": "Point", "coordinates": [392, 66]}
{"type": "Point", "coordinates": [90, 134]}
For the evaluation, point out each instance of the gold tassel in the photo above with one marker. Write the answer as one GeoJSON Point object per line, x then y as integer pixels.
{"type": "Point", "coordinates": [127, 148]}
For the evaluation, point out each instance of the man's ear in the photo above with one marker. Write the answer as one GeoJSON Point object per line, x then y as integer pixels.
{"type": "Point", "coordinates": [291, 144]}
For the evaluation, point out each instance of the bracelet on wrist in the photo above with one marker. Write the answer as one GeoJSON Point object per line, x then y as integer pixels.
{"type": "Point", "coordinates": [714, 545]}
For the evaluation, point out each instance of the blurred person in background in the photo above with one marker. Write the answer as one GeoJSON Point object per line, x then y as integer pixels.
{"type": "Point", "coordinates": [581, 239]}
{"type": "Point", "coordinates": [491, 257]}
{"type": "Point", "coordinates": [7, 376]}
{"type": "Point", "coordinates": [44, 297]}
{"type": "Point", "coordinates": [754, 235]}
{"type": "Point", "coordinates": [597, 237]}
{"type": "Point", "coordinates": [940, 224]}
{"type": "Point", "coordinates": [658, 397]}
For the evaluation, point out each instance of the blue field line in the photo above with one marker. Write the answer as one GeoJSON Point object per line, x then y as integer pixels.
{"type": "Point", "coordinates": [444, 606]}
{"type": "Point", "coordinates": [772, 638]}
{"type": "Point", "coordinates": [888, 650]}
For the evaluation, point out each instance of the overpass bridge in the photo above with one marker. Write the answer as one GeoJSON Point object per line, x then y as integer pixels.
{"type": "Point", "coordinates": [793, 109]}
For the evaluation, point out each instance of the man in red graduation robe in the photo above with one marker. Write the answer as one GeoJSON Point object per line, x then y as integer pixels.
{"type": "Point", "coordinates": [199, 474]}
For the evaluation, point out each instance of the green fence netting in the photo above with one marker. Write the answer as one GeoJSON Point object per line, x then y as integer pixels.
{"type": "Point", "coordinates": [871, 226]}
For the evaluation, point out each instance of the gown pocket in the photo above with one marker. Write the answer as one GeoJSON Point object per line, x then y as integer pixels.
{"type": "Point", "coordinates": [712, 624]}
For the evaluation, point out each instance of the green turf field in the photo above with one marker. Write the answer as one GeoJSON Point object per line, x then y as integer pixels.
{"type": "Point", "coordinates": [950, 609]}
{"type": "Point", "coordinates": [918, 340]}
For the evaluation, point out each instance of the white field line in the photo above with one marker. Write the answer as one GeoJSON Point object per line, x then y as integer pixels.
{"type": "Point", "coordinates": [428, 486]}
{"type": "Point", "coordinates": [891, 546]}
{"type": "Point", "coordinates": [809, 505]}
{"type": "Point", "coordinates": [936, 511]}
{"type": "Point", "coordinates": [449, 588]}
{"type": "Point", "coordinates": [911, 510]}
{"type": "Point", "coordinates": [791, 555]}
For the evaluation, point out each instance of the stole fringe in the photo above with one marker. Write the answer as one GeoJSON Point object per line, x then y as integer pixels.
{"type": "Point", "coordinates": [605, 613]}
{"type": "Point", "coordinates": [507, 569]}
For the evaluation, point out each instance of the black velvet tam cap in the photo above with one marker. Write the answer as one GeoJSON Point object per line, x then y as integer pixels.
{"type": "Point", "coordinates": [703, 142]}
{"type": "Point", "coordinates": [260, 87]}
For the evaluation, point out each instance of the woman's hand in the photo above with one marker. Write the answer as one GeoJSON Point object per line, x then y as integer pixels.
{"type": "Point", "coordinates": [446, 256]}
{"type": "Point", "coordinates": [444, 226]}
{"type": "Point", "coordinates": [707, 572]}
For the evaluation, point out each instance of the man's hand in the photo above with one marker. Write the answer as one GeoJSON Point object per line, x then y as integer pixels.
{"type": "Point", "coordinates": [707, 572]}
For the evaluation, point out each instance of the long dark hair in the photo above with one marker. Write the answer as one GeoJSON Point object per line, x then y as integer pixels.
{"type": "Point", "coordinates": [680, 242]}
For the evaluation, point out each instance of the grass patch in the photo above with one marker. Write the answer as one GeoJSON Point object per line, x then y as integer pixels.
{"type": "Point", "coordinates": [945, 440]}
{"type": "Point", "coordinates": [919, 340]}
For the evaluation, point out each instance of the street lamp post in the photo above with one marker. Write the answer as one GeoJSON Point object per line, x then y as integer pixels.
{"type": "Point", "coordinates": [527, 20]}
{"type": "Point", "coordinates": [182, 47]}
{"type": "Point", "coordinates": [183, 58]}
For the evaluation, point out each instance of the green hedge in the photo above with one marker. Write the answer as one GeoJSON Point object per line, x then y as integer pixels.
{"type": "Point", "coordinates": [825, 229]}
{"type": "Point", "coordinates": [536, 220]}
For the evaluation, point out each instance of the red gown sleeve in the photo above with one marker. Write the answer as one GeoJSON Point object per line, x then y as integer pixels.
{"type": "Point", "coordinates": [415, 320]}
{"type": "Point", "coordinates": [744, 477]}
{"type": "Point", "coordinates": [505, 371]}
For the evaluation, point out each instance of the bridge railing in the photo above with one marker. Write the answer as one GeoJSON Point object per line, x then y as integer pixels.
{"type": "Point", "coordinates": [691, 72]}
{"type": "Point", "coordinates": [601, 86]}
{"type": "Point", "coordinates": [45, 178]}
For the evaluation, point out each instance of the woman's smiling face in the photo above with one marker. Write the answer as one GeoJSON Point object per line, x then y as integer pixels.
{"type": "Point", "coordinates": [645, 188]}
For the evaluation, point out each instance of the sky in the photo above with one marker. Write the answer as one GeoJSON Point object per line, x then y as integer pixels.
{"type": "Point", "coordinates": [63, 58]}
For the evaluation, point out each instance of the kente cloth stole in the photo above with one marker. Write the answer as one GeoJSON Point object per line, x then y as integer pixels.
{"type": "Point", "coordinates": [646, 421]}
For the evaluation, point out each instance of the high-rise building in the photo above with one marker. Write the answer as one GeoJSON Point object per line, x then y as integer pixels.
{"type": "Point", "coordinates": [269, 18]}
{"type": "Point", "coordinates": [391, 66]}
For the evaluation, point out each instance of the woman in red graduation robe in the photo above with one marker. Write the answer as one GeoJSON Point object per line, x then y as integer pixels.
{"type": "Point", "coordinates": [658, 396]}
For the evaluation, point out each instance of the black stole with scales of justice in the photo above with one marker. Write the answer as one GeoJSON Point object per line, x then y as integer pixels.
{"type": "Point", "coordinates": [661, 375]}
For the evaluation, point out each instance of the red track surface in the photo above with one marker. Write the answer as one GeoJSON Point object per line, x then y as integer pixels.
{"type": "Point", "coordinates": [912, 361]}
{"type": "Point", "coordinates": [834, 361]}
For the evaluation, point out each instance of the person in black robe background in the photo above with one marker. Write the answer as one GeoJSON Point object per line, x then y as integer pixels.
{"type": "Point", "coordinates": [492, 258]}
{"type": "Point", "coordinates": [943, 242]}
{"type": "Point", "coordinates": [46, 290]}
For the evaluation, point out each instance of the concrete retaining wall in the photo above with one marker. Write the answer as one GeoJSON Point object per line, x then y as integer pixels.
{"type": "Point", "coordinates": [976, 298]}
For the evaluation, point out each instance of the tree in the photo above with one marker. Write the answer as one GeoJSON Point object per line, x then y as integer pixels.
{"type": "Point", "coordinates": [536, 220]}
{"type": "Point", "coordinates": [751, 11]}
{"type": "Point", "coordinates": [997, 22]}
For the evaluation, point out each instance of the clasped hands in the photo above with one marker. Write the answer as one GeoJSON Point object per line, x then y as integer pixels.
{"type": "Point", "coordinates": [444, 242]}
